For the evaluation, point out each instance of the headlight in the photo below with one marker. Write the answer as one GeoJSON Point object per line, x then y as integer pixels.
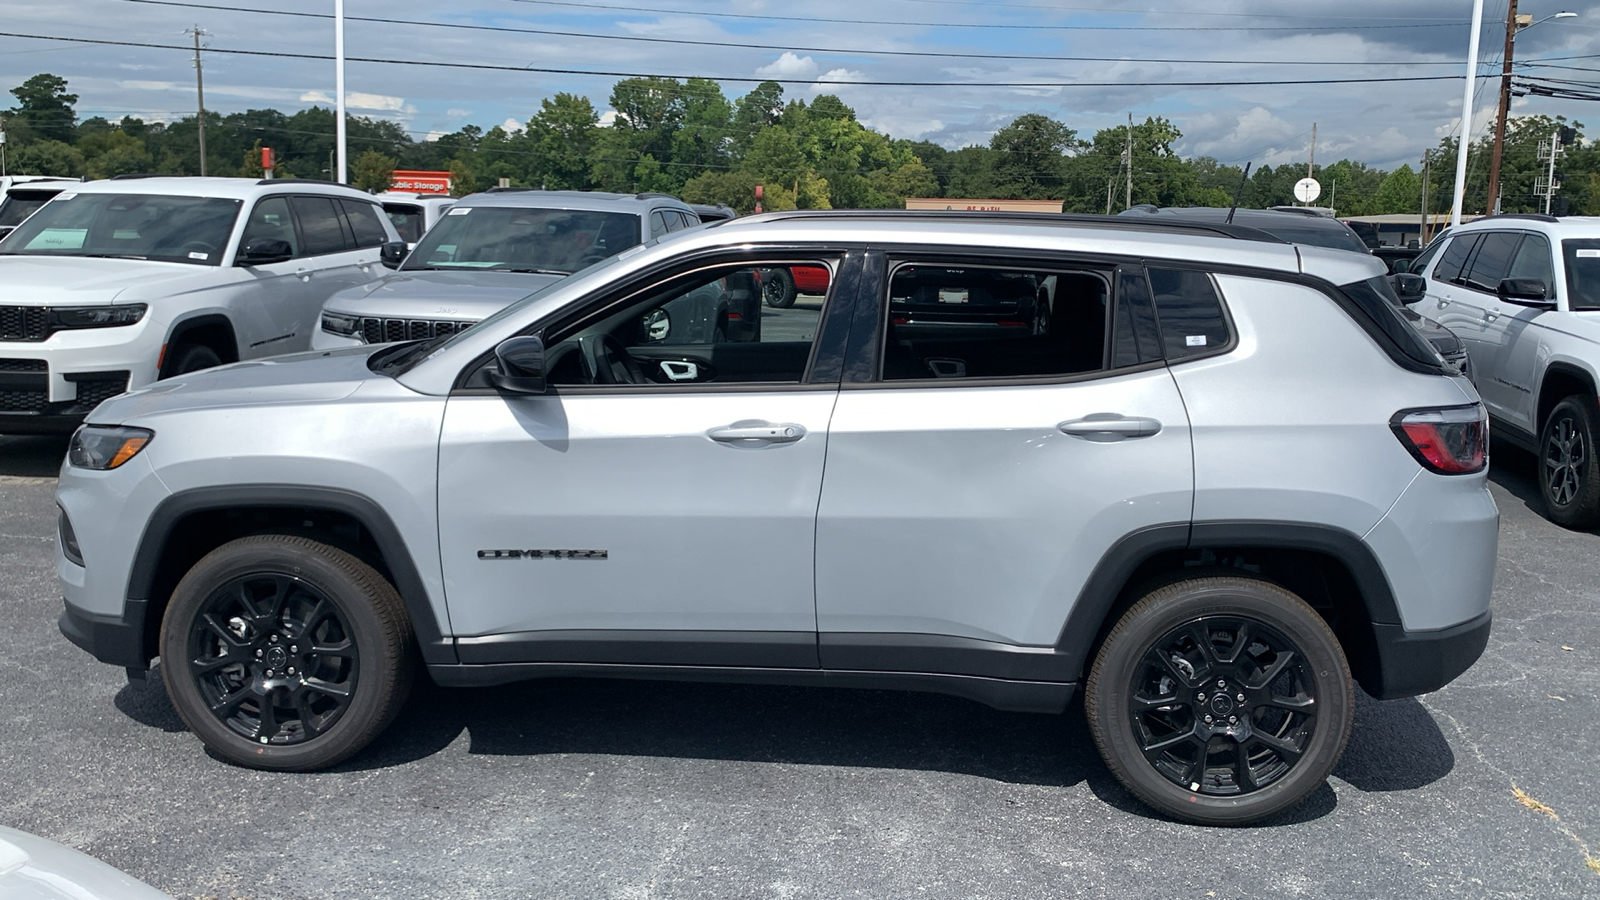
{"type": "Point", "coordinates": [106, 446]}
{"type": "Point", "coordinates": [339, 323]}
{"type": "Point", "coordinates": [96, 316]}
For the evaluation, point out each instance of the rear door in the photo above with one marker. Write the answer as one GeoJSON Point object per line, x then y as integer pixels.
{"type": "Point", "coordinates": [976, 476]}
{"type": "Point", "coordinates": [1449, 301]}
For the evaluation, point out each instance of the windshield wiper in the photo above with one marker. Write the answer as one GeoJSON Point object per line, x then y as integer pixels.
{"type": "Point", "coordinates": [531, 271]}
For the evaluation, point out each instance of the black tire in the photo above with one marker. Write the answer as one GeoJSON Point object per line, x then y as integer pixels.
{"type": "Point", "coordinates": [1569, 468]}
{"type": "Point", "coordinates": [1154, 683]}
{"type": "Point", "coordinates": [232, 637]}
{"type": "Point", "coordinates": [777, 288]}
{"type": "Point", "coordinates": [191, 358]}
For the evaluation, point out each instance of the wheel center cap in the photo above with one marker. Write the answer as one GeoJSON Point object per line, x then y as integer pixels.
{"type": "Point", "coordinates": [276, 657]}
{"type": "Point", "coordinates": [1221, 704]}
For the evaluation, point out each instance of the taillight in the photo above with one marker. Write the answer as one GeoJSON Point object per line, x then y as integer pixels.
{"type": "Point", "coordinates": [1452, 440]}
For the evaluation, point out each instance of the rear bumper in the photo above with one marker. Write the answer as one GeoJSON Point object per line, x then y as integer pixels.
{"type": "Point", "coordinates": [117, 639]}
{"type": "Point", "coordinates": [1417, 662]}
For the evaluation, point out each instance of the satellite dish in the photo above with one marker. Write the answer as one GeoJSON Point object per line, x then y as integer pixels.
{"type": "Point", "coordinates": [1307, 190]}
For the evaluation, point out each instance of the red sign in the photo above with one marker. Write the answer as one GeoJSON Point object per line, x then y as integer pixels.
{"type": "Point", "coordinates": [266, 158]}
{"type": "Point", "coordinates": [420, 181]}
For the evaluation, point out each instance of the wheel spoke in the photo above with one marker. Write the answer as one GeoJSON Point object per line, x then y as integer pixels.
{"type": "Point", "coordinates": [1167, 743]}
{"type": "Point", "coordinates": [1298, 703]}
{"type": "Point", "coordinates": [269, 717]}
{"type": "Point", "coordinates": [345, 649]}
{"type": "Point", "coordinates": [1201, 635]}
{"type": "Point", "coordinates": [1241, 640]}
{"type": "Point", "coordinates": [225, 707]}
{"type": "Point", "coordinates": [1166, 662]}
{"type": "Point", "coordinates": [327, 688]}
{"type": "Point", "coordinates": [1140, 703]}
{"type": "Point", "coordinates": [220, 630]}
{"type": "Point", "coordinates": [1270, 673]}
{"type": "Point", "coordinates": [302, 706]}
{"type": "Point", "coordinates": [1285, 749]}
{"type": "Point", "coordinates": [206, 665]}
{"type": "Point", "coordinates": [1243, 777]}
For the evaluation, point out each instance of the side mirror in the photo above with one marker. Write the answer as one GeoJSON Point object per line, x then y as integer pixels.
{"type": "Point", "coordinates": [1410, 288]}
{"type": "Point", "coordinates": [521, 361]}
{"type": "Point", "coordinates": [654, 326]}
{"type": "Point", "coordinates": [264, 251]}
{"type": "Point", "coordinates": [1524, 292]}
{"type": "Point", "coordinates": [393, 253]}
{"type": "Point", "coordinates": [1400, 267]}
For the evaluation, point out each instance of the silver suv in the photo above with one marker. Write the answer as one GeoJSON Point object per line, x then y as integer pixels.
{"type": "Point", "coordinates": [1523, 293]}
{"type": "Point", "coordinates": [1223, 485]}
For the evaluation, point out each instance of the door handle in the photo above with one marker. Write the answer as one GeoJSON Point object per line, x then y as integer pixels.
{"type": "Point", "coordinates": [756, 434]}
{"type": "Point", "coordinates": [1489, 316]}
{"type": "Point", "coordinates": [1443, 303]}
{"type": "Point", "coordinates": [1112, 425]}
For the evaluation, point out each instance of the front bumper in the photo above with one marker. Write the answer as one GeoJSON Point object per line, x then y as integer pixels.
{"type": "Point", "coordinates": [1417, 662]}
{"type": "Point", "coordinates": [114, 639]}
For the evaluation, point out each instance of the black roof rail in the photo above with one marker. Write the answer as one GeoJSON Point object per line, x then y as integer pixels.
{"type": "Point", "coordinates": [1119, 223]}
{"type": "Point", "coordinates": [322, 181]}
{"type": "Point", "coordinates": [507, 190]}
{"type": "Point", "coordinates": [652, 195]}
{"type": "Point", "coordinates": [1535, 217]}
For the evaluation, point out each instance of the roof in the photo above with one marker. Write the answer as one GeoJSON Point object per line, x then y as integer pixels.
{"type": "Point", "coordinates": [1588, 225]}
{"type": "Point", "coordinates": [1295, 227]}
{"type": "Point", "coordinates": [585, 200]}
{"type": "Point", "coordinates": [226, 188]}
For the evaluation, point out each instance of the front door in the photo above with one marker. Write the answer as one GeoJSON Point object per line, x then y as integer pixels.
{"type": "Point", "coordinates": [658, 504]}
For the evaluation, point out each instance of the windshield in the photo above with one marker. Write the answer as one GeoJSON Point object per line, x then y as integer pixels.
{"type": "Point", "coordinates": [1329, 233]}
{"type": "Point", "coordinates": [557, 241]}
{"type": "Point", "coordinates": [20, 204]}
{"type": "Point", "coordinates": [192, 230]}
{"type": "Point", "coordinates": [1583, 273]}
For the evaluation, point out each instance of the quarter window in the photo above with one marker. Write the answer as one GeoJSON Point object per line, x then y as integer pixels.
{"type": "Point", "coordinates": [1190, 312]}
{"type": "Point", "coordinates": [319, 225]}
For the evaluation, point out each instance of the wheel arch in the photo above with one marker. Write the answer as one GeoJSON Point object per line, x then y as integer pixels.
{"type": "Point", "coordinates": [190, 524]}
{"type": "Point", "coordinates": [1561, 379]}
{"type": "Point", "coordinates": [211, 329]}
{"type": "Point", "coordinates": [1328, 567]}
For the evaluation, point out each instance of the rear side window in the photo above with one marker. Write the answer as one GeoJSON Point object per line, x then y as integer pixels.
{"type": "Point", "coordinates": [319, 225]}
{"type": "Point", "coordinates": [1454, 257]}
{"type": "Point", "coordinates": [364, 223]}
{"type": "Point", "coordinates": [1190, 312]}
{"type": "Point", "coordinates": [1492, 260]}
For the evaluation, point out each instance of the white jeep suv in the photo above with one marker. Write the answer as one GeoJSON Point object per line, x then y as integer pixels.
{"type": "Point", "coordinates": [1523, 293]}
{"type": "Point", "coordinates": [115, 284]}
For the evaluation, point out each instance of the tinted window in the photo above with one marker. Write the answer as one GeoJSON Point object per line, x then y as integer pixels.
{"type": "Point", "coordinates": [994, 322]}
{"type": "Point", "coordinates": [192, 230]}
{"type": "Point", "coordinates": [1313, 232]}
{"type": "Point", "coordinates": [270, 220]}
{"type": "Point", "coordinates": [1582, 258]}
{"type": "Point", "coordinates": [658, 224]}
{"type": "Point", "coordinates": [1533, 261]}
{"type": "Point", "coordinates": [319, 225]}
{"type": "Point", "coordinates": [22, 203]}
{"type": "Point", "coordinates": [1492, 260]}
{"type": "Point", "coordinates": [408, 220]}
{"type": "Point", "coordinates": [365, 226]}
{"type": "Point", "coordinates": [1420, 264]}
{"type": "Point", "coordinates": [1135, 338]}
{"type": "Point", "coordinates": [1190, 312]}
{"type": "Point", "coordinates": [523, 239]}
{"type": "Point", "coordinates": [1455, 256]}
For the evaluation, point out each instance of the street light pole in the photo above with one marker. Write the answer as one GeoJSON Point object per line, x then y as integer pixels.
{"type": "Point", "coordinates": [1466, 111]}
{"type": "Point", "coordinates": [1515, 25]}
{"type": "Point", "coordinates": [338, 88]}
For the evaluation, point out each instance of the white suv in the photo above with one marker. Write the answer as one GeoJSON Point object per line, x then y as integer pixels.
{"type": "Point", "coordinates": [114, 284]}
{"type": "Point", "coordinates": [1523, 293]}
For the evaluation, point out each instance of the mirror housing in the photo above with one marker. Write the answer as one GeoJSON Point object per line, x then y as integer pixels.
{"type": "Point", "coordinates": [393, 253]}
{"type": "Point", "coordinates": [264, 251]}
{"type": "Point", "coordinates": [1401, 267]}
{"type": "Point", "coordinates": [521, 361]}
{"type": "Point", "coordinates": [1410, 288]}
{"type": "Point", "coordinates": [1524, 292]}
{"type": "Point", "coordinates": [654, 326]}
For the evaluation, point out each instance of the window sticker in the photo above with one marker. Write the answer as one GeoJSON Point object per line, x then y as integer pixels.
{"type": "Point", "coordinates": [459, 210]}
{"type": "Point", "coordinates": [59, 239]}
{"type": "Point", "coordinates": [1194, 340]}
{"type": "Point", "coordinates": [66, 196]}
{"type": "Point", "coordinates": [195, 255]}
{"type": "Point", "coordinates": [1588, 252]}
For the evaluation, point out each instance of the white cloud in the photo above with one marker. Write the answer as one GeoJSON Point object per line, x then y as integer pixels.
{"type": "Point", "coordinates": [511, 124]}
{"type": "Point", "coordinates": [457, 113]}
{"type": "Point", "coordinates": [435, 134]}
{"type": "Point", "coordinates": [842, 76]}
{"type": "Point", "coordinates": [789, 66]}
{"type": "Point", "coordinates": [608, 118]}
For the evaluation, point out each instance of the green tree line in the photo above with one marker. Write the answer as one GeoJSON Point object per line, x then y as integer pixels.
{"type": "Point", "coordinates": [685, 137]}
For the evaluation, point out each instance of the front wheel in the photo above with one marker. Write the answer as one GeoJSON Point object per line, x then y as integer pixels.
{"type": "Point", "coordinates": [1220, 700]}
{"type": "Point", "coordinates": [1569, 470]}
{"type": "Point", "coordinates": [280, 652]}
{"type": "Point", "coordinates": [777, 288]}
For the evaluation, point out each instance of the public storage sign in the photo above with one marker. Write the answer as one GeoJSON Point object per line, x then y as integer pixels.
{"type": "Point", "coordinates": [421, 182]}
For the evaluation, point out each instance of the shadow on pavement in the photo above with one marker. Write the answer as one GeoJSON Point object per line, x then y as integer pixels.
{"type": "Point", "coordinates": [32, 456]}
{"type": "Point", "coordinates": [1395, 746]}
{"type": "Point", "coordinates": [1516, 470]}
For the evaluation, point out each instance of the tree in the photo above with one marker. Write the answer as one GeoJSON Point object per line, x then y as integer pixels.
{"type": "Point", "coordinates": [562, 138]}
{"type": "Point", "coordinates": [109, 153]}
{"type": "Point", "coordinates": [48, 158]}
{"type": "Point", "coordinates": [1400, 192]}
{"type": "Point", "coordinates": [373, 171]}
{"type": "Point", "coordinates": [736, 189]}
{"type": "Point", "coordinates": [1029, 154]}
{"type": "Point", "coordinates": [755, 111]}
{"type": "Point", "coordinates": [43, 102]}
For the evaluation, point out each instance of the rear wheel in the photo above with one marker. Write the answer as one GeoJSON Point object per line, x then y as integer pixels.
{"type": "Point", "coordinates": [280, 652]}
{"type": "Point", "coordinates": [1569, 469]}
{"type": "Point", "coordinates": [1220, 700]}
{"type": "Point", "coordinates": [777, 288]}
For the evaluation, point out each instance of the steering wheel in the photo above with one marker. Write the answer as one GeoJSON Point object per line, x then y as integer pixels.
{"type": "Point", "coordinates": [606, 361]}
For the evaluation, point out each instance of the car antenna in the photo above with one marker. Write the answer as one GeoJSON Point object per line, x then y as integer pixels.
{"type": "Point", "coordinates": [1242, 179]}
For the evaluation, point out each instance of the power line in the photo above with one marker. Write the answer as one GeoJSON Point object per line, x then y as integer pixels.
{"type": "Point", "coordinates": [738, 45]}
{"type": "Point", "coordinates": [964, 25]}
{"type": "Point", "coordinates": [989, 4]}
{"type": "Point", "coordinates": [746, 79]}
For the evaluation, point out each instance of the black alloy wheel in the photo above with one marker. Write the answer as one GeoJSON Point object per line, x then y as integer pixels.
{"type": "Point", "coordinates": [281, 652]}
{"type": "Point", "coordinates": [777, 288]}
{"type": "Point", "coordinates": [1220, 700]}
{"type": "Point", "coordinates": [1569, 471]}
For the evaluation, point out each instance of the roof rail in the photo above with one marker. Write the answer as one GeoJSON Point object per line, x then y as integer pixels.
{"type": "Point", "coordinates": [507, 190]}
{"type": "Point", "coordinates": [322, 181]}
{"type": "Point", "coordinates": [1536, 217]}
{"type": "Point", "coordinates": [1120, 223]}
{"type": "Point", "coordinates": [652, 195]}
{"type": "Point", "coordinates": [133, 175]}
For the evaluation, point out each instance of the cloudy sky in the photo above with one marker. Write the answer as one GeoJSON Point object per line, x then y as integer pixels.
{"type": "Point", "coordinates": [1086, 64]}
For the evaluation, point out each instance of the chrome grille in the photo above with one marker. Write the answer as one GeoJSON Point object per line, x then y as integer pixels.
{"type": "Point", "coordinates": [24, 323]}
{"type": "Point", "coordinates": [381, 331]}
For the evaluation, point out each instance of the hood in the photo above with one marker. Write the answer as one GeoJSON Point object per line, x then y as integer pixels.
{"type": "Point", "coordinates": [319, 376]}
{"type": "Point", "coordinates": [461, 295]}
{"type": "Point", "coordinates": [87, 281]}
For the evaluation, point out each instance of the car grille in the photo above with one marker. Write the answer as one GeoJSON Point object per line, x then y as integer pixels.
{"type": "Point", "coordinates": [23, 401]}
{"type": "Point", "coordinates": [92, 393]}
{"type": "Point", "coordinates": [23, 365]}
{"type": "Point", "coordinates": [382, 331]}
{"type": "Point", "coordinates": [24, 385]}
{"type": "Point", "coordinates": [23, 323]}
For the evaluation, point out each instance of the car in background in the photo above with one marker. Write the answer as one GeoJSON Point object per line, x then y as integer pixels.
{"type": "Point", "coordinates": [713, 212]}
{"type": "Point", "coordinates": [34, 868]}
{"type": "Point", "coordinates": [21, 199]}
{"type": "Point", "coordinates": [115, 284]}
{"type": "Point", "coordinates": [413, 214]}
{"type": "Point", "coordinates": [1303, 226]}
{"type": "Point", "coordinates": [490, 249]}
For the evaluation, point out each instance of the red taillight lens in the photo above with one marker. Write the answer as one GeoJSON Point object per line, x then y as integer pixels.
{"type": "Point", "coordinates": [1451, 441]}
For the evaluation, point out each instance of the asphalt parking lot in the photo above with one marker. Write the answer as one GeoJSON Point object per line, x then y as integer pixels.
{"type": "Point", "coordinates": [571, 789]}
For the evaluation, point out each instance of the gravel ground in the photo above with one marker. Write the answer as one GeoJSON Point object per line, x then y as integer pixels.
{"type": "Point", "coordinates": [577, 789]}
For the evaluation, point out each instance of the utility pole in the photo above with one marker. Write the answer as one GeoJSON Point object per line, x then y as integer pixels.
{"type": "Point", "coordinates": [1422, 227]}
{"type": "Point", "coordinates": [1492, 203]}
{"type": "Point", "coordinates": [1111, 184]}
{"type": "Point", "coordinates": [1128, 200]}
{"type": "Point", "coordinates": [1311, 162]}
{"type": "Point", "coordinates": [200, 96]}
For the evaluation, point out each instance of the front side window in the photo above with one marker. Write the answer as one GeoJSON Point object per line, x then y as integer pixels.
{"type": "Point", "coordinates": [658, 224]}
{"type": "Point", "coordinates": [1582, 259]}
{"type": "Point", "coordinates": [1492, 260]}
{"type": "Point", "coordinates": [1425, 258]}
{"type": "Point", "coordinates": [555, 241]}
{"type": "Point", "coordinates": [1533, 261]}
{"type": "Point", "coordinates": [320, 228]}
{"type": "Point", "coordinates": [270, 221]}
{"type": "Point", "coordinates": [1454, 257]}
{"type": "Point", "coordinates": [964, 321]}
{"type": "Point", "coordinates": [704, 327]}
{"type": "Point", "coordinates": [192, 230]}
